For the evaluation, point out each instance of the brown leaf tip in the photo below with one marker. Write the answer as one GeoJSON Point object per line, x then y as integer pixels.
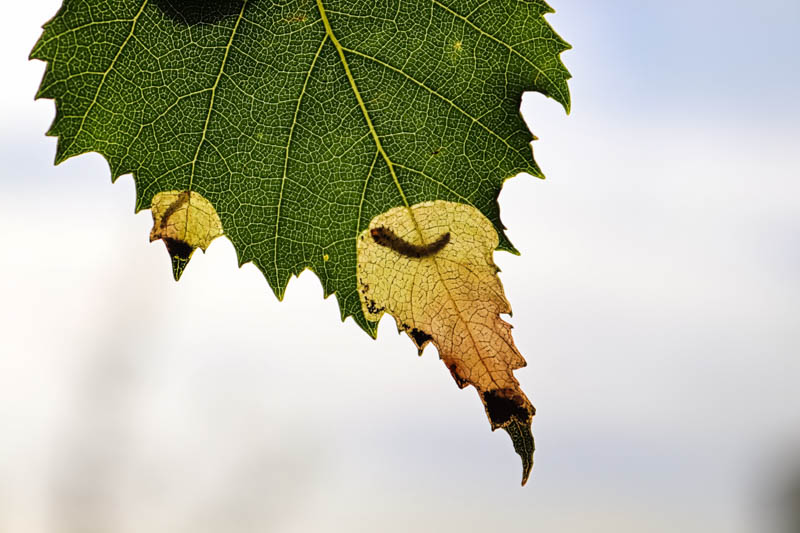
{"type": "Point", "coordinates": [511, 410]}
{"type": "Point", "coordinates": [185, 221]}
{"type": "Point", "coordinates": [431, 267]}
{"type": "Point", "coordinates": [504, 404]}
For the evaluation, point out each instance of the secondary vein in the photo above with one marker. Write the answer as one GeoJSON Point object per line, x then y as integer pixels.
{"type": "Point", "coordinates": [214, 94]}
{"type": "Point", "coordinates": [434, 93]}
{"type": "Point", "coordinates": [508, 46]}
{"type": "Point", "coordinates": [278, 283]}
{"type": "Point", "coordinates": [108, 71]}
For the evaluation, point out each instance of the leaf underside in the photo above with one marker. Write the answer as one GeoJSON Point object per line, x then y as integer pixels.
{"type": "Point", "coordinates": [300, 121]}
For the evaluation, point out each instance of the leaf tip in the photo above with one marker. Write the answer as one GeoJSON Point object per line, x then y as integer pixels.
{"type": "Point", "coordinates": [522, 439]}
{"type": "Point", "coordinates": [280, 291]}
{"type": "Point", "coordinates": [185, 221]}
{"type": "Point", "coordinates": [179, 264]}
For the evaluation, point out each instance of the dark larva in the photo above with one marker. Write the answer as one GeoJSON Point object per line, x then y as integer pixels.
{"type": "Point", "coordinates": [180, 201]}
{"type": "Point", "coordinates": [386, 237]}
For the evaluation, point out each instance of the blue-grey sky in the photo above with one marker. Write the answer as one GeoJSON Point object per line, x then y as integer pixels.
{"type": "Point", "coordinates": [656, 301]}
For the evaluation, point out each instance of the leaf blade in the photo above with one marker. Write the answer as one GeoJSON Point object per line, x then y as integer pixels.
{"type": "Point", "coordinates": [300, 122]}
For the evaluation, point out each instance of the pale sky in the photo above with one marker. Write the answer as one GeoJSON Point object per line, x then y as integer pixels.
{"type": "Point", "coordinates": [656, 301]}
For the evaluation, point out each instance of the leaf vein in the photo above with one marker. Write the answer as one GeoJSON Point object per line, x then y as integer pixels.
{"type": "Point", "coordinates": [433, 92]}
{"type": "Point", "coordinates": [106, 73]}
{"type": "Point", "coordinates": [279, 289]}
{"type": "Point", "coordinates": [513, 50]}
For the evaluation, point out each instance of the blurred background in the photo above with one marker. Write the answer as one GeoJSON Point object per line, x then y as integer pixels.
{"type": "Point", "coordinates": [656, 301]}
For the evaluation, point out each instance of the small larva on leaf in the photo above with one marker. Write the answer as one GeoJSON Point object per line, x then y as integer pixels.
{"type": "Point", "coordinates": [386, 237]}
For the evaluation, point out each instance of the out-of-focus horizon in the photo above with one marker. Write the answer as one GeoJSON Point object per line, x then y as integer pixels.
{"type": "Point", "coordinates": [656, 301]}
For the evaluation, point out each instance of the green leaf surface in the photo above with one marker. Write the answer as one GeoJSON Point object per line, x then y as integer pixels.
{"type": "Point", "coordinates": [299, 120]}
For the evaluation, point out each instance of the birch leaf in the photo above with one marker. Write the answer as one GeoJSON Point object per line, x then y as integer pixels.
{"type": "Point", "coordinates": [300, 121]}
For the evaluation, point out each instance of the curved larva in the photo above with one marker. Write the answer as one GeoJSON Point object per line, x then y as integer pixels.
{"type": "Point", "coordinates": [386, 237]}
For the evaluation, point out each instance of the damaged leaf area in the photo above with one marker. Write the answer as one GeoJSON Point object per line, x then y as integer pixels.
{"type": "Point", "coordinates": [430, 266]}
{"type": "Point", "coordinates": [185, 221]}
{"type": "Point", "coordinates": [295, 125]}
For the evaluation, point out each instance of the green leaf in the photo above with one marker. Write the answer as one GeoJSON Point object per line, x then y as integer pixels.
{"type": "Point", "coordinates": [300, 121]}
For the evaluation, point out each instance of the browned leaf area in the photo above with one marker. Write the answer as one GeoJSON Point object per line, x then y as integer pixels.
{"type": "Point", "coordinates": [430, 266]}
{"type": "Point", "coordinates": [185, 221]}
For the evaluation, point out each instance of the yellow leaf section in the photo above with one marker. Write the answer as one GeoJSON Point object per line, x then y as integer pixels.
{"type": "Point", "coordinates": [430, 266]}
{"type": "Point", "coordinates": [185, 221]}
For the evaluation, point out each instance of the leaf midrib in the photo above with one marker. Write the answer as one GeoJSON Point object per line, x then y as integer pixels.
{"type": "Point", "coordinates": [340, 49]}
{"type": "Point", "coordinates": [564, 98]}
{"type": "Point", "coordinates": [361, 105]}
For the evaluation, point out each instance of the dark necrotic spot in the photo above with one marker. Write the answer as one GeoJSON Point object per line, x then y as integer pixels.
{"type": "Point", "coordinates": [460, 381]}
{"type": "Point", "coordinates": [419, 336]}
{"type": "Point", "coordinates": [372, 307]}
{"type": "Point", "coordinates": [503, 405]}
{"type": "Point", "coordinates": [386, 237]}
{"type": "Point", "coordinates": [178, 248]}
{"type": "Point", "coordinates": [199, 11]}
